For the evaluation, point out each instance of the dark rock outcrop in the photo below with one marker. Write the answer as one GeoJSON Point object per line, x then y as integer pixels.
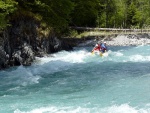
{"type": "Point", "coordinates": [21, 42]}
{"type": "Point", "coordinates": [23, 56]}
{"type": "Point", "coordinates": [3, 58]}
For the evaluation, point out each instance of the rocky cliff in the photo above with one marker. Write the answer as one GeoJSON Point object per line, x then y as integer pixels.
{"type": "Point", "coordinates": [25, 39]}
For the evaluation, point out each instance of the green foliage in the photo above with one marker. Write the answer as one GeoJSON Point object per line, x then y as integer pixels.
{"type": "Point", "coordinates": [53, 12]}
{"type": "Point", "coordinates": [6, 8]}
{"type": "Point", "coordinates": [72, 33]}
{"type": "Point", "coordinates": [84, 13]}
{"type": "Point", "coordinates": [60, 14]}
{"type": "Point", "coordinates": [123, 13]}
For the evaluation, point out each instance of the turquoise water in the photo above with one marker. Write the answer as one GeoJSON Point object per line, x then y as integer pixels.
{"type": "Point", "coordinates": [78, 82]}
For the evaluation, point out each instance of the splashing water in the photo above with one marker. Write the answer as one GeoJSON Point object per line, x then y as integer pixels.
{"type": "Point", "coordinates": [79, 82]}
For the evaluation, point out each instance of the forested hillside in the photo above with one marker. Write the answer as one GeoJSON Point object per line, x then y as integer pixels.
{"type": "Point", "coordinates": [59, 14]}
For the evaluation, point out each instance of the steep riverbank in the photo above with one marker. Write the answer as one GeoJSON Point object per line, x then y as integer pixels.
{"type": "Point", "coordinates": [25, 39]}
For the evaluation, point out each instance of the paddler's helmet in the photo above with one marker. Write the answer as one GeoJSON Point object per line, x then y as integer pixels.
{"type": "Point", "coordinates": [104, 42]}
{"type": "Point", "coordinates": [96, 45]}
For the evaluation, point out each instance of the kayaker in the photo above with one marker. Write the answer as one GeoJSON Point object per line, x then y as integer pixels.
{"type": "Point", "coordinates": [96, 48]}
{"type": "Point", "coordinates": [103, 48]}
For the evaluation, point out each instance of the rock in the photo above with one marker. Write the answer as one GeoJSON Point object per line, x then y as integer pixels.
{"type": "Point", "coordinates": [27, 55]}
{"type": "Point", "coordinates": [127, 40]}
{"type": "Point", "coordinates": [121, 40]}
{"type": "Point", "coordinates": [22, 41]}
{"type": "Point", "coordinates": [3, 58]}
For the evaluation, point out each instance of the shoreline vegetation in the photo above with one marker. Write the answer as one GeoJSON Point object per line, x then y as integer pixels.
{"type": "Point", "coordinates": [80, 32]}
{"type": "Point", "coordinates": [111, 29]}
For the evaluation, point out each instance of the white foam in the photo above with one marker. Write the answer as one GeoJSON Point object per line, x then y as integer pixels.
{"type": "Point", "coordinates": [71, 57]}
{"type": "Point", "coordinates": [124, 108]}
{"type": "Point", "coordinates": [59, 62]}
{"type": "Point", "coordinates": [137, 58]}
{"type": "Point", "coordinates": [56, 110]}
{"type": "Point", "coordinates": [22, 76]}
{"type": "Point", "coordinates": [135, 54]}
{"type": "Point", "coordinates": [14, 89]}
{"type": "Point", "coordinates": [118, 54]}
{"type": "Point", "coordinates": [43, 60]}
{"type": "Point", "coordinates": [75, 57]}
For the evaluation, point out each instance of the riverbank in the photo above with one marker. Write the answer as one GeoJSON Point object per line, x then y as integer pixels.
{"type": "Point", "coordinates": [22, 51]}
{"type": "Point", "coordinates": [120, 39]}
{"type": "Point", "coordinates": [129, 39]}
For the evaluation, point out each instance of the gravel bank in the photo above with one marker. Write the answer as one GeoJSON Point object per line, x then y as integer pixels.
{"type": "Point", "coordinates": [127, 40]}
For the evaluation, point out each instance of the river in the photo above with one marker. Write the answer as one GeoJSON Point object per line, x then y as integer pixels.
{"type": "Point", "coordinates": [79, 82]}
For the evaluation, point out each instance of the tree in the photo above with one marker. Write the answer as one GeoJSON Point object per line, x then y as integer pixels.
{"type": "Point", "coordinates": [55, 13]}
{"type": "Point", "coordinates": [84, 13]}
{"type": "Point", "coordinates": [144, 10]}
{"type": "Point", "coordinates": [6, 8]}
{"type": "Point", "coordinates": [111, 13]}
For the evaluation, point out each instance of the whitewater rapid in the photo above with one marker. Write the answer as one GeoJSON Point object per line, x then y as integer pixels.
{"type": "Point", "coordinates": [79, 82]}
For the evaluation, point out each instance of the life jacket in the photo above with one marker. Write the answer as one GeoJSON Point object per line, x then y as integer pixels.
{"type": "Point", "coordinates": [103, 47]}
{"type": "Point", "coordinates": [97, 48]}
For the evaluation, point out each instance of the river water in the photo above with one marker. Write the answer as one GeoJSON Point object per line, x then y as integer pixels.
{"type": "Point", "coordinates": [79, 82]}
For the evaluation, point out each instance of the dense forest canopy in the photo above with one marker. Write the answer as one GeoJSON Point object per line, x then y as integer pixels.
{"type": "Point", "coordinates": [59, 14]}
